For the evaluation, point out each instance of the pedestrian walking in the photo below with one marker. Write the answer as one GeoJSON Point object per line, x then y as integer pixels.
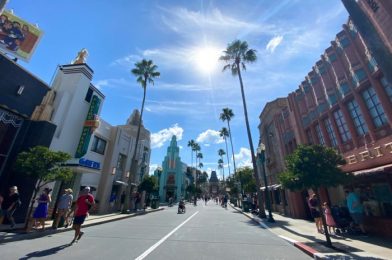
{"type": "Point", "coordinates": [63, 207]}
{"type": "Point", "coordinates": [122, 200]}
{"type": "Point", "coordinates": [70, 214]}
{"type": "Point", "coordinates": [83, 205]}
{"type": "Point", "coordinates": [329, 218]}
{"type": "Point", "coordinates": [41, 212]}
{"type": "Point", "coordinates": [355, 208]}
{"type": "Point", "coordinates": [8, 204]}
{"type": "Point", "coordinates": [313, 205]}
{"type": "Point", "coordinates": [112, 199]}
{"type": "Point", "coordinates": [205, 199]}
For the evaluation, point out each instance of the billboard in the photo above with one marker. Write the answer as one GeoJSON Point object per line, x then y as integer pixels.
{"type": "Point", "coordinates": [18, 37]}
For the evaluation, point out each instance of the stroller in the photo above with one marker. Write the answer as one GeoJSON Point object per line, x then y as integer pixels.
{"type": "Point", "coordinates": [343, 220]}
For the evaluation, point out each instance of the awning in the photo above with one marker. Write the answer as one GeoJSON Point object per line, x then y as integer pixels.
{"type": "Point", "coordinates": [121, 183]}
{"type": "Point", "coordinates": [272, 187]}
{"type": "Point", "coordinates": [380, 169]}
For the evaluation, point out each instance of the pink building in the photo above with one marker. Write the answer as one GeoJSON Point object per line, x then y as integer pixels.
{"type": "Point", "coordinates": [344, 102]}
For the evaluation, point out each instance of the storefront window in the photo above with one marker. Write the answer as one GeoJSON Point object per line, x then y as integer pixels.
{"type": "Point", "coordinates": [376, 199]}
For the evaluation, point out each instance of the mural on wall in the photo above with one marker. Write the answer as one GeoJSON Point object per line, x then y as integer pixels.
{"type": "Point", "coordinates": [18, 37]}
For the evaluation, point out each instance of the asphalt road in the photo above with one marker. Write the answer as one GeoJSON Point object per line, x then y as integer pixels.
{"type": "Point", "coordinates": [203, 232]}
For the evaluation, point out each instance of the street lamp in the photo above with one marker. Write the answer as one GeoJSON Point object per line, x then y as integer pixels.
{"type": "Point", "coordinates": [261, 157]}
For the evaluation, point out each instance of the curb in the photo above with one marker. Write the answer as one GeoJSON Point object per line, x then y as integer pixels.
{"type": "Point", "coordinates": [301, 246]}
{"type": "Point", "coordinates": [38, 234]}
{"type": "Point", "coordinates": [304, 248]}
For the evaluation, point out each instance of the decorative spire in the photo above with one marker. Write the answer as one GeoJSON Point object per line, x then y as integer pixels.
{"type": "Point", "coordinates": [134, 118]}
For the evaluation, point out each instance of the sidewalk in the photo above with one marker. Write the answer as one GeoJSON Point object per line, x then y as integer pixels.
{"type": "Point", "coordinates": [10, 235]}
{"type": "Point", "coordinates": [302, 234]}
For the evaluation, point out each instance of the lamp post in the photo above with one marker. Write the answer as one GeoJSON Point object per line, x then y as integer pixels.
{"type": "Point", "coordinates": [261, 157]}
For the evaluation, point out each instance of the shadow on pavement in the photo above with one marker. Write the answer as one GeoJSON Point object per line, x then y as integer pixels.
{"type": "Point", "coordinates": [47, 252]}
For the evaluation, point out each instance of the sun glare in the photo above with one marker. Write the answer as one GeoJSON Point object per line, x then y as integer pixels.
{"type": "Point", "coordinates": [206, 59]}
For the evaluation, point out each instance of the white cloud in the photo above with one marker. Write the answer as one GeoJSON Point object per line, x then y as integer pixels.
{"type": "Point", "coordinates": [273, 43]}
{"type": "Point", "coordinates": [213, 22]}
{"type": "Point", "coordinates": [209, 136]}
{"type": "Point", "coordinates": [153, 167]}
{"type": "Point", "coordinates": [243, 158]}
{"type": "Point", "coordinates": [159, 138]}
{"type": "Point", "coordinates": [112, 83]}
{"type": "Point", "coordinates": [127, 61]}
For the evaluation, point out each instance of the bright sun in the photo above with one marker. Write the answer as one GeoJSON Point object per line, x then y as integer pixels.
{"type": "Point", "coordinates": [206, 58]}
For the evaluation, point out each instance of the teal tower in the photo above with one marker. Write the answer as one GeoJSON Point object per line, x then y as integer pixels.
{"type": "Point", "coordinates": [172, 180]}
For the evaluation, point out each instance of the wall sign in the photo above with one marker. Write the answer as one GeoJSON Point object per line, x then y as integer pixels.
{"type": "Point", "coordinates": [89, 164]}
{"type": "Point", "coordinates": [88, 127]}
{"type": "Point", "coordinates": [370, 153]}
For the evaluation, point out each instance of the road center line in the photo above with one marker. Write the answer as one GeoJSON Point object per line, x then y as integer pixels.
{"type": "Point", "coordinates": [152, 248]}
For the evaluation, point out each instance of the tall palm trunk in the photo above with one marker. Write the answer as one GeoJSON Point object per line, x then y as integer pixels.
{"type": "Point", "coordinates": [252, 152]}
{"type": "Point", "coordinates": [133, 170]}
{"type": "Point", "coordinates": [227, 156]}
{"type": "Point", "coordinates": [232, 148]}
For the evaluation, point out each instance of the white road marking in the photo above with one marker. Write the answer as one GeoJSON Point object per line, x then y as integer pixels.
{"type": "Point", "coordinates": [153, 247]}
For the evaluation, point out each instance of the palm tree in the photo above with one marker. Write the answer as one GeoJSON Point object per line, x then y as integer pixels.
{"type": "Point", "coordinates": [220, 166]}
{"type": "Point", "coordinates": [201, 165]}
{"type": "Point", "coordinates": [235, 56]}
{"type": "Point", "coordinates": [191, 144]}
{"type": "Point", "coordinates": [225, 133]}
{"type": "Point", "coordinates": [227, 115]}
{"type": "Point", "coordinates": [146, 72]}
{"type": "Point", "coordinates": [199, 156]}
{"type": "Point", "coordinates": [196, 148]}
{"type": "Point", "coordinates": [222, 152]}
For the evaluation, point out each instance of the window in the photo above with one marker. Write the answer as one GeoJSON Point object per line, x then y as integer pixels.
{"type": "Point", "coordinates": [332, 99]}
{"type": "Point", "coordinates": [374, 106]}
{"type": "Point", "coordinates": [89, 95]}
{"type": "Point", "coordinates": [344, 88]}
{"type": "Point", "coordinates": [309, 135]}
{"type": "Point", "coordinates": [98, 145]}
{"type": "Point", "coordinates": [372, 64]}
{"type": "Point", "coordinates": [342, 126]}
{"type": "Point", "coordinates": [331, 133]}
{"type": "Point", "coordinates": [344, 42]}
{"type": "Point", "coordinates": [356, 116]}
{"type": "Point", "coordinates": [359, 76]}
{"type": "Point", "coordinates": [332, 57]}
{"type": "Point", "coordinates": [387, 86]}
{"type": "Point", "coordinates": [320, 135]}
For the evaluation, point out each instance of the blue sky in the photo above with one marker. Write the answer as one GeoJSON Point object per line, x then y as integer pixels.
{"type": "Point", "coordinates": [184, 39]}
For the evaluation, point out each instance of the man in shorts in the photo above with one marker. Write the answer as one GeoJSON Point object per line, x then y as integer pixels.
{"type": "Point", "coordinates": [83, 205]}
{"type": "Point", "coordinates": [63, 206]}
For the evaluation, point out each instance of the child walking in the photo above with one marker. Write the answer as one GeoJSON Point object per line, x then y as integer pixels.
{"type": "Point", "coordinates": [329, 218]}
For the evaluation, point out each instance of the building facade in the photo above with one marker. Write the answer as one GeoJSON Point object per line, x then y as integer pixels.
{"type": "Point", "coordinates": [172, 179]}
{"type": "Point", "coordinates": [120, 147]}
{"type": "Point", "coordinates": [20, 94]}
{"type": "Point", "coordinates": [345, 102]}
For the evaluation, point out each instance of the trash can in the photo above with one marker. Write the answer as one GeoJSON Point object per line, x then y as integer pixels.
{"type": "Point", "coordinates": [154, 203]}
{"type": "Point", "coordinates": [245, 206]}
